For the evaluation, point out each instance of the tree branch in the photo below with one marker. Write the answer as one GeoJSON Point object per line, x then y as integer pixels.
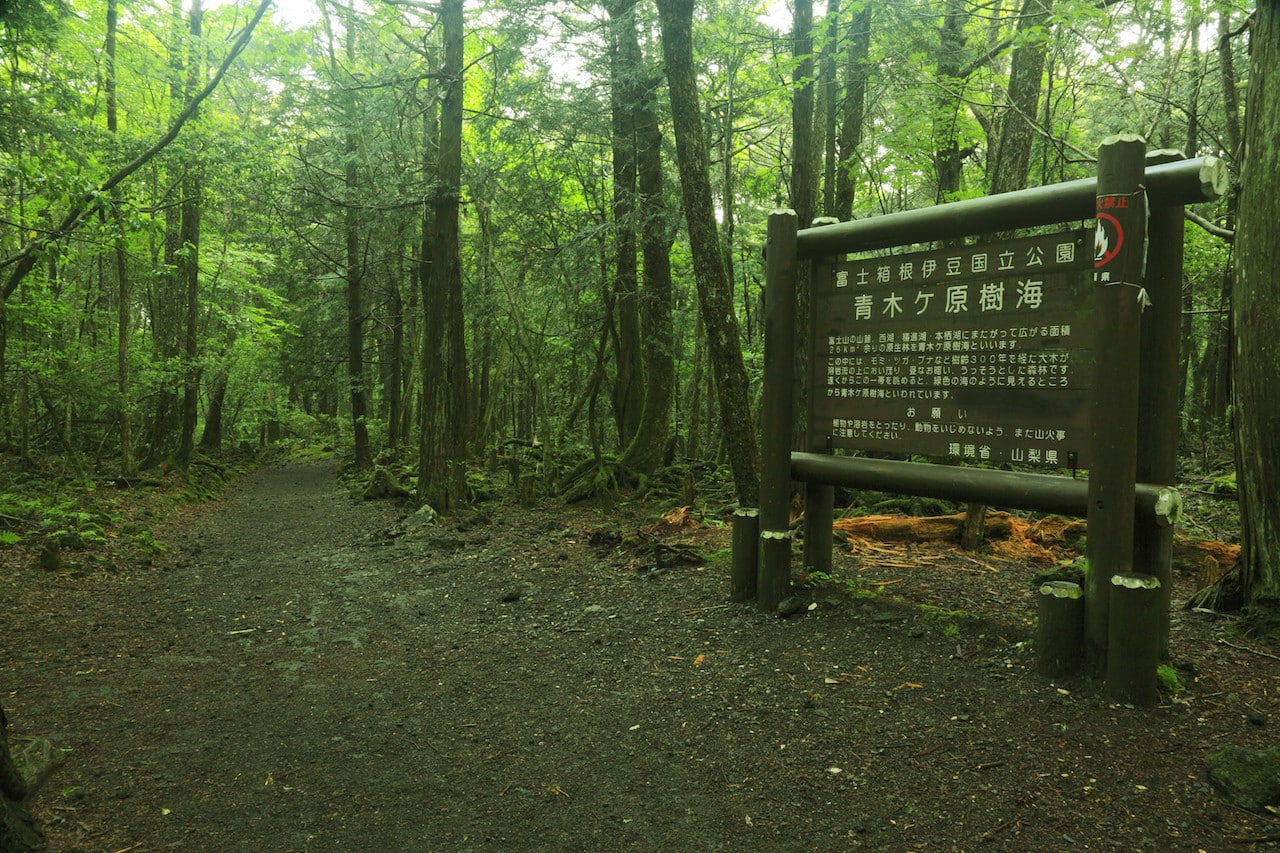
{"type": "Point", "coordinates": [1213, 228]}
{"type": "Point", "coordinates": [26, 259]}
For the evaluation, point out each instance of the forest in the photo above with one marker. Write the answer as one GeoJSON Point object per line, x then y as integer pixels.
{"type": "Point", "coordinates": [514, 249]}
{"type": "Point", "coordinates": [528, 234]}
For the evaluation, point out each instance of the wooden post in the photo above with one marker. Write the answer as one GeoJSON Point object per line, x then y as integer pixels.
{"type": "Point", "coordinates": [819, 498]}
{"type": "Point", "coordinates": [819, 520]}
{"type": "Point", "coordinates": [1060, 628]}
{"type": "Point", "coordinates": [775, 551]}
{"type": "Point", "coordinates": [1120, 254]}
{"type": "Point", "coordinates": [773, 581]}
{"type": "Point", "coordinates": [746, 554]}
{"type": "Point", "coordinates": [1131, 663]}
{"type": "Point", "coordinates": [1159, 385]}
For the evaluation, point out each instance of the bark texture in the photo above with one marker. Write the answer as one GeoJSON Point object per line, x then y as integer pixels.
{"type": "Point", "coordinates": [714, 298]}
{"type": "Point", "coordinates": [1256, 317]}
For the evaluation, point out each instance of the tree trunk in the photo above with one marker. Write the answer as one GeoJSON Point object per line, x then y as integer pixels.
{"type": "Point", "coordinates": [804, 154]}
{"type": "Point", "coordinates": [354, 273]}
{"type": "Point", "coordinates": [124, 307]}
{"type": "Point", "coordinates": [211, 438]}
{"type": "Point", "coordinates": [164, 305]}
{"type": "Point", "coordinates": [806, 157]}
{"type": "Point", "coordinates": [189, 262]}
{"type": "Point", "coordinates": [392, 362]}
{"type": "Point", "coordinates": [830, 90]}
{"type": "Point", "coordinates": [1216, 366]}
{"type": "Point", "coordinates": [624, 70]}
{"type": "Point", "coordinates": [855, 99]}
{"type": "Point", "coordinates": [948, 158]}
{"type": "Point", "coordinates": [647, 449]}
{"type": "Point", "coordinates": [442, 480]}
{"type": "Point", "coordinates": [1018, 121]}
{"type": "Point", "coordinates": [714, 298]}
{"type": "Point", "coordinates": [1256, 318]}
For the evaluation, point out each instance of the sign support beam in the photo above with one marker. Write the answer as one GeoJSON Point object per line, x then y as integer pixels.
{"type": "Point", "coordinates": [1119, 298]}
{"type": "Point", "coordinates": [773, 581]}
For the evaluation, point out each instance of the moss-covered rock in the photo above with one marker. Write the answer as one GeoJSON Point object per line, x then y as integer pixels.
{"type": "Point", "coordinates": [1250, 777]}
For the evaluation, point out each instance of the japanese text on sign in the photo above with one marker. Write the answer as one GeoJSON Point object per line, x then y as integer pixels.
{"type": "Point", "coordinates": [977, 352]}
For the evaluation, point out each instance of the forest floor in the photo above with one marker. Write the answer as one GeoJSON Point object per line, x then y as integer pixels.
{"type": "Point", "coordinates": [307, 671]}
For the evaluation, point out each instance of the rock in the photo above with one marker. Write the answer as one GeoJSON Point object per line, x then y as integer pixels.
{"type": "Point", "coordinates": [1250, 777]}
{"type": "Point", "coordinates": [71, 541]}
{"type": "Point", "coordinates": [50, 557]}
{"type": "Point", "coordinates": [423, 517]}
{"type": "Point", "coordinates": [790, 606]}
{"type": "Point", "coordinates": [382, 485]}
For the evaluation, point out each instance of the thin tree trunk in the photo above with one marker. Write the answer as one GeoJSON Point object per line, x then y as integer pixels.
{"type": "Point", "coordinates": [124, 307]}
{"type": "Point", "coordinates": [354, 273]}
{"type": "Point", "coordinates": [211, 437]}
{"type": "Point", "coordinates": [392, 362]}
{"type": "Point", "coordinates": [855, 100]}
{"type": "Point", "coordinates": [714, 297]}
{"type": "Point", "coordinates": [830, 89]}
{"type": "Point", "coordinates": [430, 472]}
{"type": "Point", "coordinates": [189, 262]}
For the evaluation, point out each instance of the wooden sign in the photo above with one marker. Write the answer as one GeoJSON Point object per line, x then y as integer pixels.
{"type": "Point", "coordinates": [980, 353]}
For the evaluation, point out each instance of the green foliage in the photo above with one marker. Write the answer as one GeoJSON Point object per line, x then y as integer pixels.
{"type": "Point", "coordinates": [1170, 682]}
{"type": "Point", "coordinates": [1225, 485]}
{"type": "Point", "coordinates": [851, 586]}
{"type": "Point", "coordinates": [538, 232]}
{"type": "Point", "coordinates": [947, 621]}
{"type": "Point", "coordinates": [721, 558]}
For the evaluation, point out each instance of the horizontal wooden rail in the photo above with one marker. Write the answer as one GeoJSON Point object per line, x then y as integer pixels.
{"type": "Point", "coordinates": [1160, 505]}
{"type": "Point", "coordinates": [1181, 182]}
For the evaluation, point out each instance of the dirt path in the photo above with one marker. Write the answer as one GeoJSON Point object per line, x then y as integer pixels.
{"type": "Point", "coordinates": [309, 673]}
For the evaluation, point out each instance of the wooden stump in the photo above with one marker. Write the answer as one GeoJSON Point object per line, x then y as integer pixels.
{"type": "Point", "coordinates": [746, 554]}
{"type": "Point", "coordinates": [1061, 628]}
{"type": "Point", "coordinates": [975, 527]}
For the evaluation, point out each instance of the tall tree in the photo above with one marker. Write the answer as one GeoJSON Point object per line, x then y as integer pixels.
{"type": "Point", "coordinates": [189, 257]}
{"type": "Point", "coordinates": [624, 71]}
{"type": "Point", "coordinates": [442, 478]}
{"type": "Point", "coordinates": [804, 151]}
{"type": "Point", "coordinates": [714, 297]}
{"type": "Point", "coordinates": [1017, 122]}
{"type": "Point", "coordinates": [124, 297]}
{"type": "Point", "coordinates": [948, 155]}
{"type": "Point", "coordinates": [1256, 316]}
{"type": "Point", "coordinates": [341, 69]}
{"type": "Point", "coordinates": [854, 108]}
{"type": "Point", "coordinates": [648, 446]}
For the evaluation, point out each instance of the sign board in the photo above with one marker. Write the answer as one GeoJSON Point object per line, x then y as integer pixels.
{"type": "Point", "coordinates": [980, 353]}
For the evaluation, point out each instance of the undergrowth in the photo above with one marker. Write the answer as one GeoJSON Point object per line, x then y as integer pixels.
{"type": "Point", "coordinates": [56, 515]}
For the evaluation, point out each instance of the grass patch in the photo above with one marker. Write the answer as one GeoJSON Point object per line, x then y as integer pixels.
{"type": "Point", "coordinates": [944, 620]}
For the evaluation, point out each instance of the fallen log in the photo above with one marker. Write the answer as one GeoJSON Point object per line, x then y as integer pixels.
{"type": "Point", "coordinates": [1207, 560]}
